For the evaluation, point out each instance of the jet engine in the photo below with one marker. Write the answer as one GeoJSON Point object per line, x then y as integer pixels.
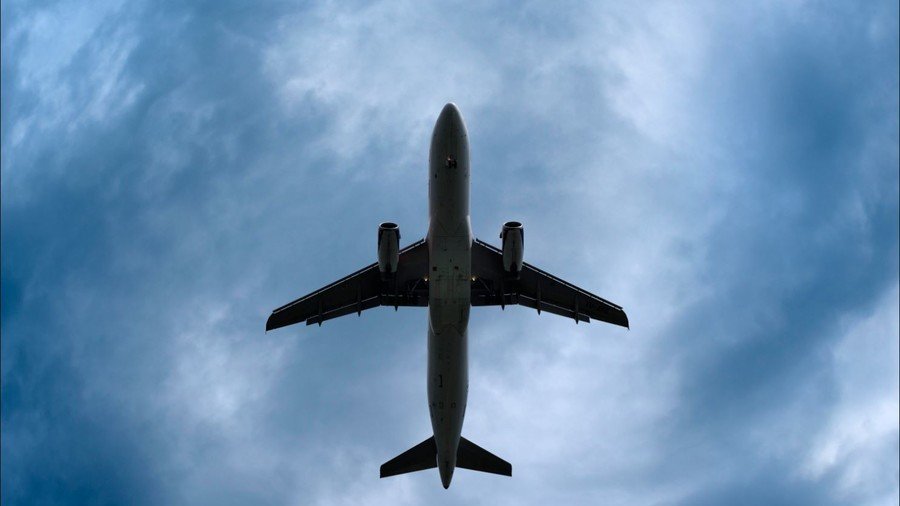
{"type": "Point", "coordinates": [513, 236]}
{"type": "Point", "coordinates": [388, 248]}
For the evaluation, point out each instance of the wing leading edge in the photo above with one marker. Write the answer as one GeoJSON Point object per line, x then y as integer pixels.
{"type": "Point", "coordinates": [364, 289]}
{"type": "Point", "coordinates": [536, 289]}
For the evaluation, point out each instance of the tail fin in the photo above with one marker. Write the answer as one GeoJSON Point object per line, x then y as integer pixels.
{"type": "Point", "coordinates": [471, 456]}
{"type": "Point", "coordinates": [420, 457]}
{"type": "Point", "coordinates": [424, 456]}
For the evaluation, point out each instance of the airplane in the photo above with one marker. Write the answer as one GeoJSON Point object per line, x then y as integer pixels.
{"type": "Point", "coordinates": [448, 271]}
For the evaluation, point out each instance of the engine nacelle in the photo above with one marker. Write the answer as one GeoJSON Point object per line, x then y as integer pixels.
{"type": "Point", "coordinates": [513, 236]}
{"type": "Point", "coordinates": [388, 248]}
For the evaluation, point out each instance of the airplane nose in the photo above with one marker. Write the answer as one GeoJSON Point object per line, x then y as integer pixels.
{"type": "Point", "coordinates": [451, 110]}
{"type": "Point", "coordinates": [450, 119]}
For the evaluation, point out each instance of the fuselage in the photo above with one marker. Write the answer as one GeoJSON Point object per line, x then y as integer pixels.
{"type": "Point", "coordinates": [449, 298]}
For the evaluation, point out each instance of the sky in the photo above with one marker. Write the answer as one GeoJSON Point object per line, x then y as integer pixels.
{"type": "Point", "coordinates": [727, 172]}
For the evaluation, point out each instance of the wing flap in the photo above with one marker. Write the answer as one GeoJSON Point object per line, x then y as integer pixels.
{"type": "Point", "coordinates": [526, 301]}
{"type": "Point", "coordinates": [358, 307]}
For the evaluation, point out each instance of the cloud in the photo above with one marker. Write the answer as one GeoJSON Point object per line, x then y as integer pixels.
{"type": "Point", "coordinates": [861, 434]}
{"type": "Point", "coordinates": [173, 171]}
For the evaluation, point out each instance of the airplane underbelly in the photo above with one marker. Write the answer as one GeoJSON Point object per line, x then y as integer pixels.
{"type": "Point", "coordinates": [448, 318]}
{"type": "Point", "coordinates": [447, 388]}
{"type": "Point", "coordinates": [449, 282]}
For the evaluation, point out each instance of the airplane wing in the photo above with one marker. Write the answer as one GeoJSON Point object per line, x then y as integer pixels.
{"type": "Point", "coordinates": [364, 289]}
{"type": "Point", "coordinates": [536, 289]}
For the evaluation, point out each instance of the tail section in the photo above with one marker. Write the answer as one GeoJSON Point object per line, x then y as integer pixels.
{"type": "Point", "coordinates": [420, 457]}
{"type": "Point", "coordinates": [471, 456]}
{"type": "Point", "coordinates": [424, 456]}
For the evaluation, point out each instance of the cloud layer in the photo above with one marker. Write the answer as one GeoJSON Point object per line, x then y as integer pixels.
{"type": "Point", "coordinates": [728, 174]}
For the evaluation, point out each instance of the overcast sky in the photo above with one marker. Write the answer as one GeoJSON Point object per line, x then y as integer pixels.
{"type": "Point", "coordinates": [727, 172]}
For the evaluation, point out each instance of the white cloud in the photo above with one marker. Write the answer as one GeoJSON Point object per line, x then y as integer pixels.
{"type": "Point", "coordinates": [380, 72]}
{"type": "Point", "coordinates": [72, 60]}
{"type": "Point", "coordinates": [858, 448]}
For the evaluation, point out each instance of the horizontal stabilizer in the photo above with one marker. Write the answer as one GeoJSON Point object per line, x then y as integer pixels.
{"type": "Point", "coordinates": [471, 456]}
{"type": "Point", "coordinates": [420, 457]}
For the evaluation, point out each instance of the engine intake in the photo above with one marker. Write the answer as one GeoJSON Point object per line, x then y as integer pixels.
{"type": "Point", "coordinates": [388, 248]}
{"type": "Point", "coordinates": [513, 235]}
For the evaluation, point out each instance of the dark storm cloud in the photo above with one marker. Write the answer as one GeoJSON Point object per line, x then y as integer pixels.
{"type": "Point", "coordinates": [807, 238]}
{"type": "Point", "coordinates": [171, 172]}
{"type": "Point", "coordinates": [108, 228]}
{"type": "Point", "coordinates": [789, 254]}
{"type": "Point", "coordinates": [790, 259]}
